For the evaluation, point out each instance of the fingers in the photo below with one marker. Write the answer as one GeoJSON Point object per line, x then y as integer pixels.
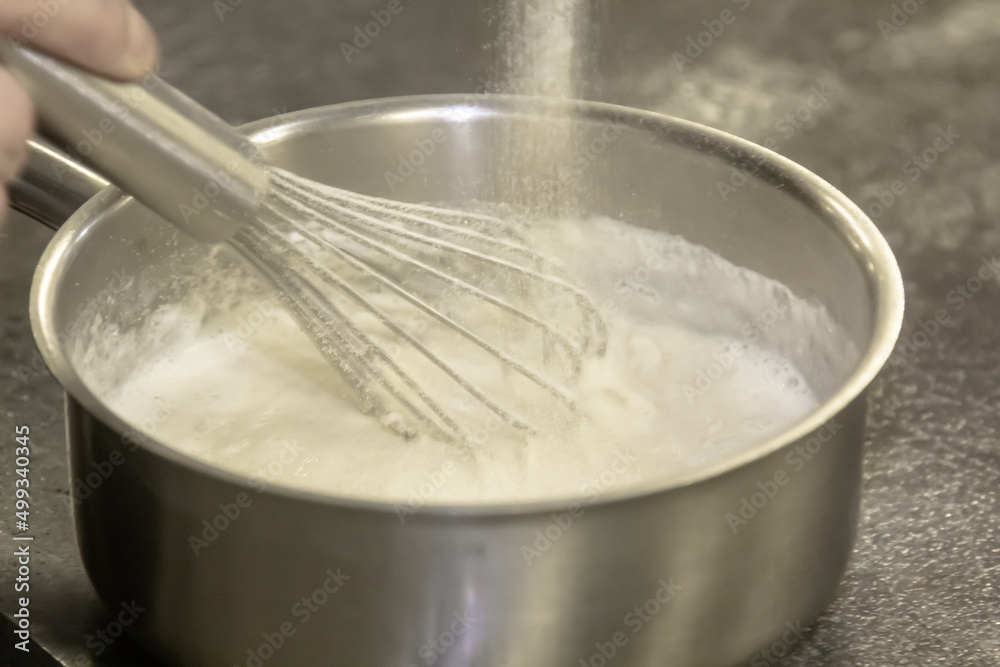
{"type": "Point", "coordinates": [106, 36]}
{"type": "Point", "coordinates": [16, 126]}
{"type": "Point", "coordinates": [3, 209]}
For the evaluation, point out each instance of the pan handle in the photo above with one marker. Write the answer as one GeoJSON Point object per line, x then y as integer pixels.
{"type": "Point", "coordinates": [173, 155]}
{"type": "Point", "coordinates": [52, 186]}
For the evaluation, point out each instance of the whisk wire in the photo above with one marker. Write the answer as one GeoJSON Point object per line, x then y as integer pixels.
{"type": "Point", "coordinates": [335, 281]}
{"type": "Point", "coordinates": [428, 309]}
{"type": "Point", "coordinates": [327, 324]}
{"type": "Point", "coordinates": [323, 211]}
{"type": "Point", "coordinates": [552, 336]}
{"type": "Point", "coordinates": [349, 252]}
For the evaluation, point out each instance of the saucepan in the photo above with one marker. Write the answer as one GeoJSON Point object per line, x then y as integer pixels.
{"type": "Point", "coordinates": [706, 569]}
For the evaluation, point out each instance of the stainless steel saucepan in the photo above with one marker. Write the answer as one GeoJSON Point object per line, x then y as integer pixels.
{"type": "Point", "coordinates": [702, 571]}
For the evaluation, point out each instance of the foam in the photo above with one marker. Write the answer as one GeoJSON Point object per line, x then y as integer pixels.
{"type": "Point", "coordinates": [682, 383]}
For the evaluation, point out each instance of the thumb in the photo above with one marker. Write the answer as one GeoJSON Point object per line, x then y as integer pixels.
{"type": "Point", "coordinates": [109, 37]}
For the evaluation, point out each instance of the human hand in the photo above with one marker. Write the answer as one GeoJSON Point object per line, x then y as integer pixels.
{"type": "Point", "coordinates": [109, 37]}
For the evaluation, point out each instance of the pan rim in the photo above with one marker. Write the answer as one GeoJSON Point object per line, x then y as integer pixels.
{"type": "Point", "coordinates": [846, 219]}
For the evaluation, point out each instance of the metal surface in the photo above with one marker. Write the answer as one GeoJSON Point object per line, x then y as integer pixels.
{"type": "Point", "coordinates": [469, 561]}
{"type": "Point", "coordinates": [136, 520]}
{"type": "Point", "coordinates": [922, 584]}
{"type": "Point", "coordinates": [52, 186]}
{"type": "Point", "coordinates": [160, 146]}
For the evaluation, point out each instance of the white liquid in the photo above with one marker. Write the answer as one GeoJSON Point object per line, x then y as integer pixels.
{"type": "Point", "coordinates": [684, 382]}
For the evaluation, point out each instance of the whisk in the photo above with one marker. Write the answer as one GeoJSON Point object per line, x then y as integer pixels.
{"type": "Point", "coordinates": [442, 321]}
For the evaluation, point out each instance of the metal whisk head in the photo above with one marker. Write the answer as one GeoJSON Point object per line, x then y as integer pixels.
{"type": "Point", "coordinates": [442, 321]}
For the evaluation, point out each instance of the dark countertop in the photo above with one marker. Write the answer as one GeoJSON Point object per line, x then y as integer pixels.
{"type": "Point", "coordinates": [922, 587]}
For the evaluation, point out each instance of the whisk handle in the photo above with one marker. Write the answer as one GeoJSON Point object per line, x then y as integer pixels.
{"type": "Point", "coordinates": [166, 150]}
